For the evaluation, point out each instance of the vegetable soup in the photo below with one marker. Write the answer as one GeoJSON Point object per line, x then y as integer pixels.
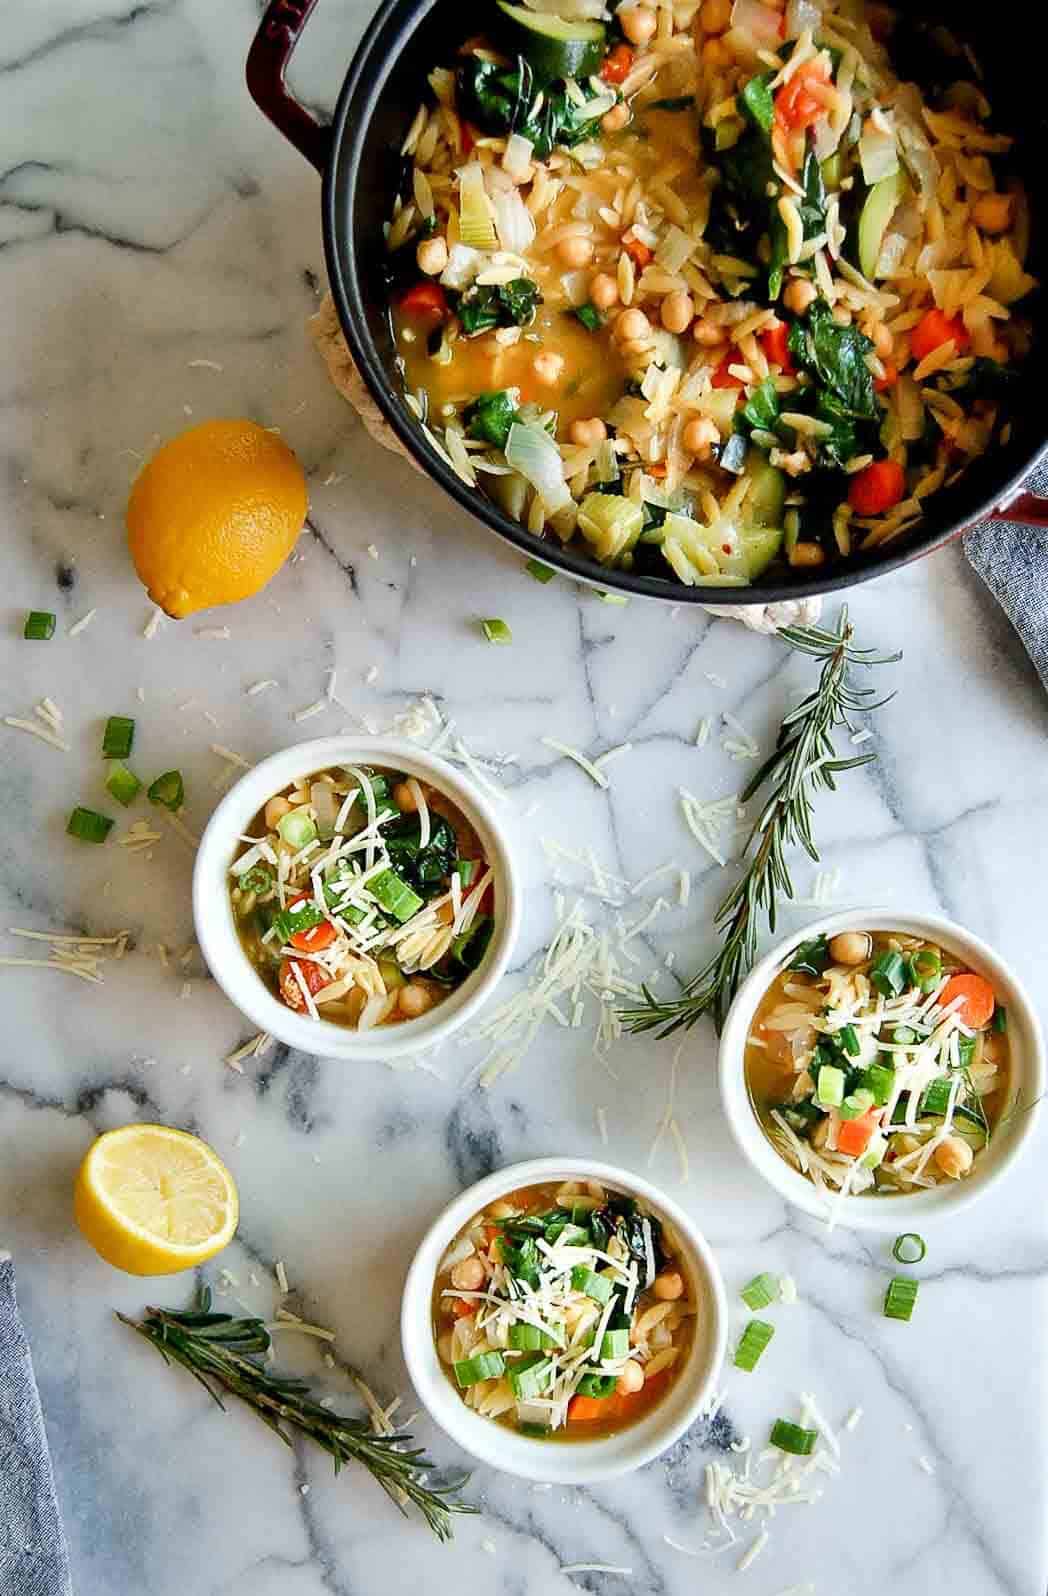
{"type": "Point", "coordinates": [708, 288]}
{"type": "Point", "coordinates": [878, 1063]}
{"type": "Point", "coordinates": [564, 1311]}
{"type": "Point", "coordinates": [362, 896]}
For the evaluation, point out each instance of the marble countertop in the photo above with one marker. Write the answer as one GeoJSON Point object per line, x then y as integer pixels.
{"type": "Point", "coordinates": [159, 255]}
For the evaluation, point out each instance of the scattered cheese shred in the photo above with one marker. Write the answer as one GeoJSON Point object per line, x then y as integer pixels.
{"type": "Point", "coordinates": [580, 759]}
{"type": "Point", "coordinates": [35, 729]}
{"type": "Point", "coordinates": [153, 625]}
{"type": "Point", "coordinates": [754, 1552]}
{"type": "Point", "coordinates": [281, 1276]}
{"type": "Point", "coordinates": [82, 624]}
{"type": "Point", "coordinates": [262, 687]}
{"type": "Point", "coordinates": [316, 708]}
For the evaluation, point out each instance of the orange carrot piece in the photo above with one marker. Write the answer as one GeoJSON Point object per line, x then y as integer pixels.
{"type": "Point", "coordinates": [877, 488]}
{"type": "Point", "coordinates": [584, 1409]}
{"type": "Point", "coordinates": [854, 1135]}
{"type": "Point", "coordinates": [935, 329]}
{"type": "Point", "coordinates": [979, 1001]}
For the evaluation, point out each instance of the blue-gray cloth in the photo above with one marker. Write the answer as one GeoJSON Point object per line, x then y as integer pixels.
{"type": "Point", "coordinates": [1013, 562]}
{"type": "Point", "coordinates": [34, 1560]}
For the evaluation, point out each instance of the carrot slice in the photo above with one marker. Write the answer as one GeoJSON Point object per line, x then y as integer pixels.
{"type": "Point", "coordinates": [584, 1409]}
{"type": "Point", "coordinates": [461, 1308]}
{"type": "Point", "coordinates": [425, 299]}
{"type": "Point", "coordinates": [935, 329]}
{"type": "Point", "coordinates": [877, 488]}
{"type": "Point", "coordinates": [617, 64]}
{"type": "Point", "coordinates": [979, 1002]}
{"type": "Point", "coordinates": [853, 1136]}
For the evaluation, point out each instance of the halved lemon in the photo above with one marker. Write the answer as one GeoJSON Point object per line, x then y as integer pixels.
{"type": "Point", "coordinates": [153, 1201]}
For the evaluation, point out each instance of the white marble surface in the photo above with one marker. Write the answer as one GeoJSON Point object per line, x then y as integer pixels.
{"type": "Point", "coordinates": [150, 218]}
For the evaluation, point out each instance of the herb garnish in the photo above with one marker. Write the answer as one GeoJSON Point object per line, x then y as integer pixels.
{"type": "Point", "coordinates": [804, 760]}
{"type": "Point", "coordinates": [219, 1350]}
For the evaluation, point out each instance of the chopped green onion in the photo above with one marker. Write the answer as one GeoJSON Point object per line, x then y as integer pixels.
{"type": "Point", "coordinates": [904, 1035]}
{"type": "Point", "coordinates": [1000, 1018]}
{"type": "Point", "coordinates": [926, 968]}
{"type": "Point", "coordinates": [39, 626]}
{"type": "Point", "coordinates": [900, 1298]}
{"type": "Point", "coordinates": [909, 1248]}
{"type": "Point", "coordinates": [873, 1157]}
{"type": "Point", "coordinates": [829, 1088]}
{"type": "Point", "coordinates": [613, 598]}
{"type": "Point", "coordinates": [856, 1104]}
{"type": "Point", "coordinates": [258, 879]}
{"type": "Point", "coordinates": [395, 896]}
{"type": "Point", "coordinates": [530, 1376]}
{"type": "Point", "coordinates": [485, 1366]}
{"type": "Point", "coordinates": [755, 1338]}
{"type": "Point", "coordinates": [300, 917]}
{"type": "Point", "coordinates": [123, 784]}
{"type": "Point", "coordinates": [541, 573]}
{"type": "Point", "coordinates": [297, 828]}
{"type": "Point", "coordinates": [792, 1438]}
{"type": "Point", "coordinates": [761, 1290]}
{"type": "Point", "coordinates": [590, 1284]}
{"type": "Point", "coordinates": [616, 1344]}
{"type": "Point", "coordinates": [465, 868]}
{"type": "Point", "coordinates": [89, 825]}
{"type": "Point", "coordinates": [936, 1099]}
{"type": "Point", "coordinates": [168, 790]}
{"type": "Point", "coordinates": [848, 1037]}
{"type": "Point", "coordinates": [118, 737]}
{"type": "Point", "coordinates": [811, 958]}
{"type": "Point", "coordinates": [590, 317]}
{"type": "Point", "coordinates": [879, 1080]}
{"type": "Point", "coordinates": [888, 974]}
{"type": "Point", "coordinates": [529, 1338]}
{"type": "Point", "coordinates": [597, 1385]}
{"type": "Point", "coordinates": [537, 1432]}
{"type": "Point", "coordinates": [496, 631]}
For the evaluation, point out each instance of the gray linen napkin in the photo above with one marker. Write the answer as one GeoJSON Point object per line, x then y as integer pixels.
{"type": "Point", "coordinates": [34, 1560]}
{"type": "Point", "coordinates": [1013, 562]}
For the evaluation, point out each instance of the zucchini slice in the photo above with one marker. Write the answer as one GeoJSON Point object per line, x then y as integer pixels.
{"type": "Point", "coordinates": [553, 47]}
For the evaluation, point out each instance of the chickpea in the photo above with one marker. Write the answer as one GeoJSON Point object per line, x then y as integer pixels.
{"type": "Point", "coordinates": [631, 1379]}
{"type": "Point", "coordinates": [468, 1275]}
{"type": "Point", "coordinates": [716, 14]}
{"type": "Point", "coordinates": [669, 1286]}
{"type": "Point", "coordinates": [708, 334]}
{"type": "Point", "coordinates": [274, 809]}
{"type": "Point", "coordinates": [638, 23]}
{"type": "Point", "coordinates": [677, 311]}
{"type": "Point", "coordinates": [699, 436]}
{"type": "Point", "coordinates": [413, 1000]}
{"type": "Point", "coordinates": [954, 1157]}
{"type": "Point", "coordinates": [604, 290]}
{"type": "Point", "coordinates": [404, 798]}
{"type": "Point", "coordinates": [807, 554]}
{"type": "Point", "coordinates": [591, 431]}
{"type": "Point", "coordinates": [851, 947]}
{"type": "Point", "coordinates": [993, 212]}
{"type": "Point", "coordinates": [548, 368]}
{"type": "Point", "coordinates": [444, 1347]}
{"type": "Point", "coordinates": [716, 54]}
{"type": "Point", "coordinates": [575, 252]}
{"type": "Point", "coordinates": [432, 256]}
{"type": "Point", "coordinates": [631, 326]}
{"type": "Point", "coordinates": [798, 295]}
{"type": "Point", "coordinates": [615, 120]}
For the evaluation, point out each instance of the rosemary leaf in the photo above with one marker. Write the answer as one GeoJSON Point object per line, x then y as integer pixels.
{"type": "Point", "coordinates": [803, 761]}
{"type": "Point", "coordinates": [220, 1352]}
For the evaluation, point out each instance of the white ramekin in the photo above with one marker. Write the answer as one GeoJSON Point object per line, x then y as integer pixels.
{"type": "Point", "coordinates": [867, 1212]}
{"type": "Point", "coordinates": [564, 1462]}
{"type": "Point", "coordinates": [216, 928]}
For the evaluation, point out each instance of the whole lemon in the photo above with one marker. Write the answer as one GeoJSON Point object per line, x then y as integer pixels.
{"type": "Point", "coordinates": [214, 514]}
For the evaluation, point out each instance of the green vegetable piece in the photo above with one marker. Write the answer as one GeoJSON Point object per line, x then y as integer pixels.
{"type": "Point", "coordinates": [118, 737]}
{"type": "Point", "coordinates": [856, 1104]}
{"type": "Point", "coordinates": [611, 524]}
{"type": "Point", "coordinates": [395, 896]}
{"type": "Point", "coordinates": [88, 825]}
{"type": "Point", "coordinates": [879, 207]}
{"type": "Point", "coordinates": [465, 869]}
{"type": "Point", "coordinates": [490, 417]}
{"type": "Point", "coordinates": [168, 790]}
{"type": "Point", "coordinates": [925, 969]}
{"type": "Point", "coordinates": [541, 573]}
{"type": "Point", "coordinates": [302, 917]}
{"type": "Point", "coordinates": [529, 1338]}
{"type": "Point", "coordinates": [39, 626]}
{"type": "Point", "coordinates": [297, 828]}
{"type": "Point", "coordinates": [909, 1248]}
{"type": "Point", "coordinates": [554, 47]}
{"type": "Point", "coordinates": [537, 1432]}
{"type": "Point", "coordinates": [888, 974]}
{"type": "Point", "coordinates": [792, 1438]}
{"type": "Point", "coordinates": [489, 305]}
{"type": "Point", "coordinates": [122, 784]}
{"type": "Point", "coordinates": [829, 1088]}
{"type": "Point", "coordinates": [495, 630]}
{"type": "Point", "coordinates": [758, 102]}
{"type": "Point", "coordinates": [617, 600]}
{"type": "Point", "coordinates": [751, 1346]}
{"type": "Point", "coordinates": [848, 1037]}
{"type": "Point", "coordinates": [616, 1344]}
{"type": "Point", "coordinates": [591, 1285]}
{"type": "Point", "coordinates": [258, 879]}
{"type": "Point", "coordinates": [876, 1148]}
{"type": "Point", "coordinates": [836, 356]}
{"type": "Point", "coordinates": [530, 1376]}
{"type": "Point", "coordinates": [421, 867]}
{"type": "Point", "coordinates": [484, 1366]}
{"type": "Point", "coordinates": [878, 1080]}
{"type": "Point", "coordinates": [936, 1098]}
{"type": "Point", "coordinates": [676, 102]}
{"type": "Point", "coordinates": [763, 408]}
{"type": "Point", "coordinates": [597, 1385]}
{"type": "Point", "coordinates": [901, 1298]}
{"type": "Point", "coordinates": [590, 317]}
{"type": "Point", "coordinates": [469, 947]}
{"type": "Point", "coordinates": [760, 1291]}
{"type": "Point", "coordinates": [904, 1035]}
{"type": "Point", "coordinates": [811, 958]}
{"type": "Point", "coordinates": [1000, 1019]}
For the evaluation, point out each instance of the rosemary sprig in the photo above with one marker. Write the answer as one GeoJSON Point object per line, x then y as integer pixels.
{"type": "Point", "coordinates": [221, 1351]}
{"type": "Point", "coordinates": [804, 760]}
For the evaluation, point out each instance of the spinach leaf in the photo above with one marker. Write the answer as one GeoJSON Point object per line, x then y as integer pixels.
{"type": "Point", "coordinates": [521, 1259]}
{"type": "Point", "coordinates": [758, 102]}
{"type": "Point", "coordinates": [762, 409]}
{"type": "Point", "coordinates": [469, 948]}
{"type": "Point", "coordinates": [559, 121]}
{"type": "Point", "coordinates": [842, 444]}
{"type": "Point", "coordinates": [836, 356]}
{"type": "Point", "coordinates": [812, 208]}
{"type": "Point", "coordinates": [490, 417]}
{"type": "Point", "coordinates": [590, 317]}
{"type": "Point", "coordinates": [987, 379]}
{"type": "Point", "coordinates": [483, 307]}
{"type": "Point", "coordinates": [422, 868]}
{"type": "Point", "coordinates": [811, 958]}
{"type": "Point", "coordinates": [495, 98]}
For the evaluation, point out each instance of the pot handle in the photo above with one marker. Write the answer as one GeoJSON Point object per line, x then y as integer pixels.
{"type": "Point", "coordinates": [1028, 508]}
{"type": "Point", "coordinates": [267, 62]}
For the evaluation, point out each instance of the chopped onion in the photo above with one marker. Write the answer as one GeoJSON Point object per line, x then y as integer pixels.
{"type": "Point", "coordinates": [878, 153]}
{"type": "Point", "coordinates": [910, 406]}
{"type": "Point", "coordinates": [576, 287]}
{"type": "Point", "coordinates": [515, 223]}
{"type": "Point", "coordinates": [893, 248]}
{"type": "Point", "coordinates": [462, 267]}
{"type": "Point", "coordinates": [914, 146]}
{"type": "Point", "coordinates": [533, 453]}
{"type": "Point", "coordinates": [802, 14]}
{"type": "Point", "coordinates": [476, 225]}
{"type": "Point", "coordinates": [675, 248]}
{"type": "Point", "coordinates": [517, 159]}
{"type": "Point", "coordinates": [825, 138]}
{"type": "Point", "coordinates": [758, 23]}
